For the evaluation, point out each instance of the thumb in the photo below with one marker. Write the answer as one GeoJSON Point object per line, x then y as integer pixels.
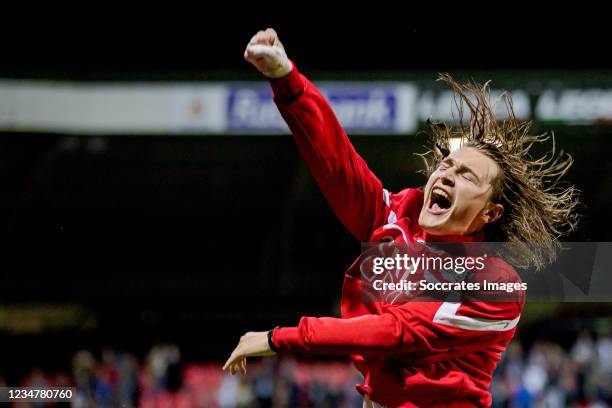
{"type": "Point", "coordinates": [261, 51]}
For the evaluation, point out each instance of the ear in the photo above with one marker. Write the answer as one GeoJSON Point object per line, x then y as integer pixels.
{"type": "Point", "coordinates": [493, 213]}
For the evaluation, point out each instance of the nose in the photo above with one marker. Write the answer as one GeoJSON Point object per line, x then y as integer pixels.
{"type": "Point", "coordinates": [447, 179]}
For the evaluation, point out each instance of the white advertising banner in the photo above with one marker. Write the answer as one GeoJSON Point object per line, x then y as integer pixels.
{"type": "Point", "coordinates": [111, 108]}
{"type": "Point", "coordinates": [247, 108]}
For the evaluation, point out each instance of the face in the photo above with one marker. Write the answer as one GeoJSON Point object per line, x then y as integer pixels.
{"type": "Point", "coordinates": [458, 194]}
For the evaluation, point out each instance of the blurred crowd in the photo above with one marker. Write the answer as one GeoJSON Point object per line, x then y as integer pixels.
{"type": "Point", "coordinates": [545, 375]}
{"type": "Point", "coordinates": [548, 376]}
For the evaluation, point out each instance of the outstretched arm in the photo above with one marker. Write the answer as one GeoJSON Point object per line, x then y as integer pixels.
{"type": "Point", "coordinates": [422, 332]}
{"type": "Point", "coordinates": [353, 191]}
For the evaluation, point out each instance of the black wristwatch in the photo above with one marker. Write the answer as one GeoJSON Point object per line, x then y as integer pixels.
{"type": "Point", "coordinates": [270, 342]}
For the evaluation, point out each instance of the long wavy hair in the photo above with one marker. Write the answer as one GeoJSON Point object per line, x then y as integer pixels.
{"type": "Point", "coordinates": [538, 207]}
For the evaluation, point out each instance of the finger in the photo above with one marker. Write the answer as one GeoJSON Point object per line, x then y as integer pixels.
{"type": "Point", "coordinates": [271, 36]}
{"type": "Point", "coordinates": [229, 361]}
{"type": "Point", "coordinates": [263, 37]}
{"type": "Point", "coordinates": [256, 38]}
{"type": "Point", "coordinates": [237, 367]}
{"type": "Point", "coordinates": [243, 366]}
{"type": "Point", "coordinates": [260, 51]}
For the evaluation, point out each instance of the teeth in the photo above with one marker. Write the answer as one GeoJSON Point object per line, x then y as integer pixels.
{"type": "Point", "coordinates": [440, 192]}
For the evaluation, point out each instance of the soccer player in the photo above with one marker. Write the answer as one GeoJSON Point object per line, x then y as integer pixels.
{"type": "Point", "coordinates": [420, 354]}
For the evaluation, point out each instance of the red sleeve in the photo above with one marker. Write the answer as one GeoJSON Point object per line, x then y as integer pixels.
{"type": "Point", "coordinates": [328, 335]}
{"type": "Point", "coordinates": [425, 331]}
{"type": "Point", "coordinates": [353, 191]}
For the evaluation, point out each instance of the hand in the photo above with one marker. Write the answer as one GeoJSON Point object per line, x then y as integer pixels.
{"type": "Point", "coordinates": [267, 54]}
{"type": "Point", "coordinates": [252, 344]}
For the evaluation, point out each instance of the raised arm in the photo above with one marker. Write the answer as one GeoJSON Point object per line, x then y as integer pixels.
{"type": "Point", "coordinates": [353, 191]}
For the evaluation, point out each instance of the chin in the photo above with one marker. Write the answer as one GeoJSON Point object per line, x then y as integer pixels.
{"type": "Point", "coordinates": [436, 225]}
{"type": "Point", "coordinates": [439, 231]}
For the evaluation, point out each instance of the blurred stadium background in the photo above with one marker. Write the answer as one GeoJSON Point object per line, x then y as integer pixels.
{"type": "Point", "coordinates": [154, 207]}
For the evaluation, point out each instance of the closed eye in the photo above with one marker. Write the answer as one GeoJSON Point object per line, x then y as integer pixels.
{"type": "Point", "coordinates": [469, 177]}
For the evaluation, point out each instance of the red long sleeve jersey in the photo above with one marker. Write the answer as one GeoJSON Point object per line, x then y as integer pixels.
{"type": "Point", "coordinates": [411, 354]}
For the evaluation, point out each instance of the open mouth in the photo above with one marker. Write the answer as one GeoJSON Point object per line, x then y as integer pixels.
{"type": "Point", "coordinates": [439, 201]}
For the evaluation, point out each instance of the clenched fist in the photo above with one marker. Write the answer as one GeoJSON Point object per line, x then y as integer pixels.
{"type": "Point", "coordinates": [267, 54]}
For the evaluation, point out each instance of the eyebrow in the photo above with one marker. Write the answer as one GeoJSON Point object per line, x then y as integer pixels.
{"type": "Point", "coordinates": [462, 167]}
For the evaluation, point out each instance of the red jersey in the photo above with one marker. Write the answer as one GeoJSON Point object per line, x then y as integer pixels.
{"type": "Point", "coordinates": [411, 354]}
